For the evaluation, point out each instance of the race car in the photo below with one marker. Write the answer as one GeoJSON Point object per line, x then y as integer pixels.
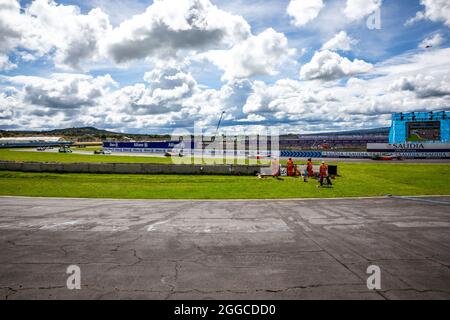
{"type": "Point", "coordinates": [64, 150]}
{"type": "Point", "coordinates": [102, 152]}
{"type": "Point", "coordinates": [386, 157]}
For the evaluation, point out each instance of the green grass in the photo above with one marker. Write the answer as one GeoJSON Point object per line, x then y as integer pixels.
{"type": "Point", "coordinates": [88, 148]}
{"type": "Point", "coordinates": [14, 155]}
{"type": "Point", "coordinates": [357, 179]}
{"type": "Point", "coordinates": [39, 156]}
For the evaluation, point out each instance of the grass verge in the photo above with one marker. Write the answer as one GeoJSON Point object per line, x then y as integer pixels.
{"type": "Point", "coordinates": [357, 179]}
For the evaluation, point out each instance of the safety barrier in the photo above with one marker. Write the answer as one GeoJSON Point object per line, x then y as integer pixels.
{"type": "Point", "coordinates": [132, 168]}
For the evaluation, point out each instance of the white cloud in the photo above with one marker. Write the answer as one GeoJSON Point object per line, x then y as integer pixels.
{"type": "Point", "coordinates": [411, 82]}
{"type": "Point", "coordinates": [414, 82]}
{"type": "Point", "coordinates": [358, 9]}
{"type": "Point", "coordinates": [258, 55]}
{"type": "Point", "coordinates": [418, 17]}
{"type": "Point", "coordinates": [170, 98]}
{"type": "Point", "coordinates": [340, 41]}
{"type": "Point", "coordinates": [172, 32]}
{"type": "Point", "coordinates": [9, 32]}
{"type": "Point", "coordinates": [423, 86]}
{"type": "Point", "coordinates": [118, 10]}
{"type": "Point", "coordinates": [46, 28]}
{"type": "Point", "coordinates": [77, 41]}
{"type": "Point", "coordinates": [63, 91]}
{"type": "Point", "coordinates": [435, 10]}
{"type": "Point", "coordinates": [5, 64]}
{"type": "Point", "coordinates": [167, 87]}
{"type": "Point", "coordinates": [8, 103]}
{"type": "Point", "coordinates": [433, 41]}
{"type": "Point", "coordinates": [75, 36]}
{"type": "Point", "coordinates": [304, 11]}
{"type": "Point", "coordinates": [327, 65]}
{"type": "Point", "coordinates": [168, 26]}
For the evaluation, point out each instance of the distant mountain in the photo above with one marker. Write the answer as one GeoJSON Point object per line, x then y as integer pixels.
{"type": "Point", "coordinates": [83, 133]}
{"type": "Point", "coordinates": [67, 131]}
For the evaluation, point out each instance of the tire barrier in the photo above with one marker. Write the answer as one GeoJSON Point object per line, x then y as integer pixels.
{"type": "Point", "coordinates": [301, 154]}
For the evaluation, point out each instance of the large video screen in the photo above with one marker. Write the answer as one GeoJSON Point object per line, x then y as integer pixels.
{"type": "Point", "coordinates": [424, 131]}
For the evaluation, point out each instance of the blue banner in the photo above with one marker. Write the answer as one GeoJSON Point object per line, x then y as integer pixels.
{"type": "Point", "coordinates": [148, 145]}
{"type": "Point", "coordinates": [301, 154]}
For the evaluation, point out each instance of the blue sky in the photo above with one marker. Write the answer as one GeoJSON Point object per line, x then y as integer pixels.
{"type": "Point", "coordinates": [300, 66]}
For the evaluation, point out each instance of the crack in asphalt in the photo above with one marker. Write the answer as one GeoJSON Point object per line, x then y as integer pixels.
{"type": "Point", "coordinates": [175, 280]}
{"type": "Point", "coordinates": [178, 251]}
{"type": "Point", "coordinates": [306, 234]}
{"type": "Point", "coordinates": [417, 290]}
{"type": "Point", "coordinates": [275, 290]}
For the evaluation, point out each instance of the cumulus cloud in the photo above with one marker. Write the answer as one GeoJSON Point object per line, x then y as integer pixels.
{"type": "Point", "coordinates": [73, 39]}
{"type": "Point", "coordinates": [423, 86]}
{"type": "Point", "coordinates": [46, 28]}
{"type": "Point", "coordinates": [169, 96]}
{"type": "Point", "coordinates": [9, 32]}
{"type": "Point", "coordinates": [7, 105]}
{"type": "Point", "coordinates": [308, 106]}
{"type": "Point", "coordinates": [295, 106]}
{"type": "Point", "coordinates": [63, 91]}
{"type": "Point", "coordinates": [164, 93]}
{"type": "Point", "coordinates": [340, 41]}
{"type": "Point", "coordinates": [258, 55]}
{"type": "Point", "coordinates": [303, 12]}
{"type": "Point", "coordinates": [358, 9]}
{"type": "Point", "coordinates": [5, 63]}
{"type": "Point", "coordinates": [167, 30]}
{"type": "Point", "coordinates": [168, 26]}
{"type": "Point", "coordinates": [74, 36]}
{"type": "Point", "coordinates": [327, 65]}
{"type": "Point", "coordinates": [435, 10]}
{"type": "Point", "coordinates": [433, 41]}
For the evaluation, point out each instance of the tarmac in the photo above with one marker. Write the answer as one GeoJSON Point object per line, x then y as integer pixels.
{"type": "Point", "coordinates": [303, 160]}
{"type": "Point", "coordinates": [263, 249]}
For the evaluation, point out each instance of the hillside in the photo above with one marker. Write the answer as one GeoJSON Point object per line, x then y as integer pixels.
{"type": "Point", "coordinates": [94, 134]}
{"type": "Point", "coordinates": [83, 134]}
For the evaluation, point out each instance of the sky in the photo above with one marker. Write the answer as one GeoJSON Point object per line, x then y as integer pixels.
{"type": "Point", "coordinates": [299, 66]}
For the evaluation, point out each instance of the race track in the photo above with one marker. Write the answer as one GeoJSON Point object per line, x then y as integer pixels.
{"type": "Point", "coordinates": [286, 249]}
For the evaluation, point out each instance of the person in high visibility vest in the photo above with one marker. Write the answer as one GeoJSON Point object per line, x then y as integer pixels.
{"type": "Point", "coordinates": [323, 173]}
{"type": "Point", "coordinates": [309, 167]}
{"type": "Point", "coordinates": [290, 167]}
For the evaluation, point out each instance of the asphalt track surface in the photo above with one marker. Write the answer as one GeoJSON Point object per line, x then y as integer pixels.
{"type": "Point", "coordinates": [284, 249]}
{"type": "Point", "coordinates": [303, 160]}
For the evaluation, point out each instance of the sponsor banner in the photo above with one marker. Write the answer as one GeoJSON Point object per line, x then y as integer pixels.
{"type": "Point", "coordinates": [138, 150]}
{"type": "Point", "coordinates": [409, 155]}
{"type": "Point", "coordinates": [289, 154]}
{"type": "Point", "coordinates": [166, 145]}
{"type": "Point", "coordinates": [408, 147]}
{"type": "Point", "coordinates": [208, 152]}
{"type": "Point", "coordinates": [343, 154]}
{"type": "Point", "coordinates": [426, 155]}
{"type": "Point", "coordinates": [301, 154]}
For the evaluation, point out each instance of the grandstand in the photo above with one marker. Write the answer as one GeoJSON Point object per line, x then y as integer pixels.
{"type": "Point", "coordinates": [32, 142]}
{"type": "Point", "coordinates": [352, 140]}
